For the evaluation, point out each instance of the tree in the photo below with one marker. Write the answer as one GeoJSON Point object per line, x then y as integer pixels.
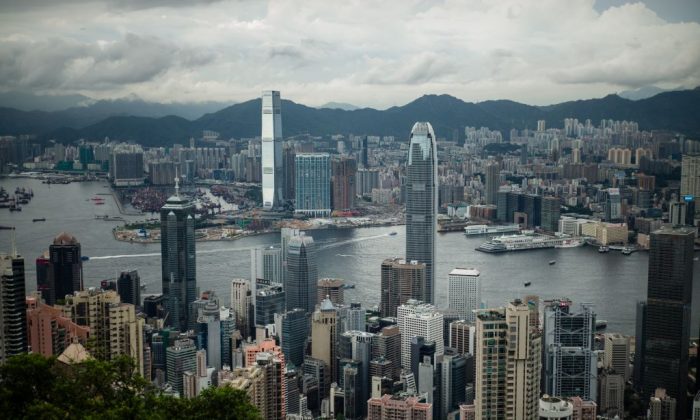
{"type": "Point", "coordinates": [32, 386]}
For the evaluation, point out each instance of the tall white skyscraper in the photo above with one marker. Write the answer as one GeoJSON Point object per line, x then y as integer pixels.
{"type": "Point", "coordinates": [241, 296]}
{"type": "Point", "coordinates": [422, 201]}
{"type": "Point", "coordinates": [418, 319]}
{"type": "Point", "coordinates": [464, 294]}
{"type": "Point", "coordinates": [272, 170]}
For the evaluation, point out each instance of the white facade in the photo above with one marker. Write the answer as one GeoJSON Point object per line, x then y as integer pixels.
{"type": "Point", "coordinates": [272, 171]}
{"type": "Point", "coordinates": [418, 319]}
{"type": "Point", "coordinates": [464, 293]}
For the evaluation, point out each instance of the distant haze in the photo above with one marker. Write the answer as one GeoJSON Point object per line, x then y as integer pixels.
{"type": "Point", "coordinates": [365, 53]}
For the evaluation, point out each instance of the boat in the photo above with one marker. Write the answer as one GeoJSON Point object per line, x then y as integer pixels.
{"type": "Point", "coordinates": [84, 258]}
{"type": "Point", "coordinates": [99, 203]}
{"type": "Point", "coordinates": [348, 286]}
{"type": "Point", "coordinates": [475, 230]}
{"type": "Point", "coordinates": [15, 208]}
{"type": "Point", "coordinates": [603, 249]}
{"type": "Point", "coordinates": [552, 262]}
{"type": "Point", "coordinates": [626, 251]}
{"type": "Point", "coordinates": [39, 220]}
{"type": "Point", "coordinates": [143, 287]}
{"type": "Point", "coordinates": [97, 199]}
{"type": "Point", "coordinates": [601, 324]}
{"type": "Point", "coordinates": [393, 234]}
{"type": "Point", "coordinates": [526, 241]}
{"type": "Point", "coordinates": [528, 283]}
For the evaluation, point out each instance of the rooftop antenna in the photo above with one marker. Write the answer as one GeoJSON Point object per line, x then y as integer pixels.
{"type": "Point", "coordinates": [14, 243]}
{"type": "Point", "coordinates": [177, 184]}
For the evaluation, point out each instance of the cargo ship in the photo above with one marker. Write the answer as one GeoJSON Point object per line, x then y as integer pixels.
{"type": "Point", "coordinates": [527, 241]}
{"type": "Point", "coordinates": [475, 230]}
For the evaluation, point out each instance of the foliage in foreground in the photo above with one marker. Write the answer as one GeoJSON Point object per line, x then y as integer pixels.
{"type": "Point", "coordinates": [32, 386]}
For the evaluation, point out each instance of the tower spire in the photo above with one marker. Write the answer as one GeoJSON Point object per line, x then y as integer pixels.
{"type": "Point", "coordinates": [177, 183]}
{"type": "Point", "coordinates": [14, 243]}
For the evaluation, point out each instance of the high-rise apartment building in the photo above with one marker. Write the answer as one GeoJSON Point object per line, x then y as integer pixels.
{"type": "Point", "coordinates": [493, 182]}
{"type": "Point", "coordinates": [418, 319]}
{"type": "Point", "coordinates": [508, 363]}
{"type": "Point", "coordinates": [690, 178]}
{"type": "Point", "coordinates": [13, 313]}
{"type": "Point", "coordinates": [312, 173]}
{"type": "Point", "coordinates": [272, 167]}
{"type": "Point", "coordinates": [178, 259]}
{"type": "Point", "coordinates": [401, 406]}
{"type": "Point", "coordinates": [114, 326]}
{"type": "Point", "coordinates": [65, 268]}
{"type": "Point", "coordinates": [401, 280]}
{"type": "Point", "coordinates": [49, 331]}
{"type": "Point", "coordinates": [662, 406]}
{"type": "Point", "coordinates": [570, 358]}
{"type": "Point", "coordinates": [666, 328]}
{"type": "Point", "coordinates": [617, 354]}
{"type": "Point", "coordinates": [461, 336]}
{"type": "Point", "coordinates": [241, 306]}
{"type": "Point", "coordinates": [387, 346]}
{"type": "Point", "coordinates": [302, 275]}
{"type": "Point", "coordinates": [344, 188]}
{"type": "Point", "coordinates": [422, 201]}
{"type": "Point", "coordinates": [464, 294]}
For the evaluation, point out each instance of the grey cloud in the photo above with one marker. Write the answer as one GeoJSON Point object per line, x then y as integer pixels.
{"type": "Point", "coordinates": [422, 68]}
{"type": "Point", "coordinates": [68, 64]}
{"type": "Point", "coordinates": [286, 51]}
{"type": "Point", "coordinates": [29, 5]}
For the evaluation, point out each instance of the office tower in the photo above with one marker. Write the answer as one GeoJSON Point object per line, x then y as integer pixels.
{"type": "Point", "coordinates": [343, 173]}
{"type": "Point", "coordinates": [493, 182]}
{"type": "Point", "coordinates": [209, 329]}
{"type": "Point", "coordinates": [508, 363]}
{"type": "Point", "coordinates": [617, 354]}
{"type": "Point", "coordinates": [316, 380]}
{"type": "Point", "coordinates": [331, 288]}
{"type": "Point", "coordinates": [229, 336]}
{"type": "Point", "coordinates": [291, 396]}
{"type": "Point", "coordinates": [455, 375]}
{"type": "Point", "coordinates": [354, 319]}
{"type": "Point", "coordinates": [613, 205]}
{"type": "Point", "coordinates": [464, 294]}
{"type": "Point", "coordinates": [49, 331]}
{"type": "Point", "coordinates": [418, 319]}
{"type": "Point", "coordinates": [364, 152]}
{"type": "Point", "coordinates": [272, 169]}
{"type": "Point", "coordinates": [428, 383]}
{"type": "Point", "coordinates": [461, 337]}
{"type": "Point", "coordinates": [155, 306]}
{"type": "Point", "coordinates": [550, 214]}
{"type": "Point", "coordinates": [357, 347]}
{"type": "Point", "coordinates": [421, 201]}
{"type": "Point", "coordinates": [570, 359]}
{"type": "Point", "coordinates": [65, 270]}
{"type": "Point", "coordinates": [663, 407]}
{"type": "Point", "coordinates": [129, 287]}
{"type": "Point", "coordinates": [266, 265]}
{"type": "Point", "coordinates": [666, 330]}
{"type": "Point", "coordinates": [302, 275]}
{"type": "Point", "coordinates": [402, 406]}
{"type": "Point", "coordinates": [42, 276]}
{"type": "Point", "coordinates": [421, 350]}
{"type": "Point", "coordinates": [161, 173]}
{"type": "Point", "coordinates": [312, 185]}
{"type": "Point", "coordinates": [324, 335]}
{"type": "Point", "coordinates": [611, 393]}
{"type": "Point", "coordinates": [293, 335]}
{"type": "Point", "coordinates": [401, 280]}
{"type": "Point", "coordinates": [387, 346]}
{"type": "Point", "coordinates": [241, 306]}
{"type": "Point", "coordinates": [639, 325]}
{"type": "Point", "coordinates": [288, 158]}
{"type": "Point", "coordinates": [269, 301]}
{"type": "Point", "coordinates": [126, 166]}
{"type": "Point", "coordinates": [114, 326]}
{"type": "Point", "coordinates": [180, 357]}
{"type": "Point", "coordinates": [178, 259]}
{"type": "Point", "coordinates": [13, 313]}
{"type": "Point", "coordinates": [690, 177]}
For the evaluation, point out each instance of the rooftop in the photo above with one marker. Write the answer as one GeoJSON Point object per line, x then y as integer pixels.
{"type": "Point", "coordinates": [473, 272]}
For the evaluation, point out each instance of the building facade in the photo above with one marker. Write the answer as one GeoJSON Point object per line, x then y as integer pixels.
{"type": "Point", "coordinates": [272, 168]}
{"type": "Point", "coordinates": [401, 281]}
{"type": "Point", "coordinates": [313, 184]}
{"type": "Point", "coordinates": [464, 295]}
{"type": "Point", "coordinates": [302, 274]}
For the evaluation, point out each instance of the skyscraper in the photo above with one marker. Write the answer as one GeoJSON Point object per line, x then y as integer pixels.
{"type": "Point", "coordinates": [401, 280]}
{"type": "Point", "coordinates": [178, 260]}
{"type": "Point", "coordinates": [550, 214]}
{"type": "Point", "coordinates": [690, 178]}
{"type": "Point", "coordinates": [129, 287]}
{"type": "Point", "coordinates": [295, 330]}
{"type": "Point", "coordinates": [266, 265]}
{"type": "Point", "coordinates": [180, 357]}
{"type": "Point", "coordinates": [269, 300]}
{"type": "Point", "coordinates": [241, 305]}
{"type": "Point", "coordinates": [666, 330]}
{"type": "Point", "coordinates": [492, 183]}
{"type": "Point", "coordinates": [465, 292]}
{"type": "Point", "coordinates": [331, 288]}
{"type": "Point", "coordinates": [324, 333]}
{"type": "Point", "coordinates": [508, 363]}
{"type": "Point", "coordinates": [65, 273]}
{"type": "Point", "coordinates": [272, 169]}
{"type": "Point", "coordinates": [418, 319]}
{"type": "Point", "coordinates": [570, 359]}
{"type": "Point", "coordinates": [344, 189]}
{"type": "Point", "coordinates": [302, 275]}
{"type": "Point", "coordinates": [313, 184]}
{"type": "Point", "coordinates": [13, 313]}
{"type": "Point", "coordinates": [422, 201]}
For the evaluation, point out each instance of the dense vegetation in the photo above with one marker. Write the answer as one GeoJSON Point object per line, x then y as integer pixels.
{"type": "Point", "coordinates": [32, 386]}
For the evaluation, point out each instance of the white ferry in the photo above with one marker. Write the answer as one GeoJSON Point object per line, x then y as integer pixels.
{"type": "Point", "coordinates": [527, 241]}
{"type": "Point", "coordinates": [475, 230]}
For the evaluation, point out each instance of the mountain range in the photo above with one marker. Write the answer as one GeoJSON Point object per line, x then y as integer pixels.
{"type": "Point", "coordinates": [677, 111]}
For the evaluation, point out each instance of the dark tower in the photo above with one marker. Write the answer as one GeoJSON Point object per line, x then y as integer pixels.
{"type": "Point", "coordinates": [13, 313]}
{"type": "Point", "coordinates": [65, 271]}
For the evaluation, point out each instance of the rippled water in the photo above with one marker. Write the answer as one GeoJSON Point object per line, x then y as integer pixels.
{"type": "Point", "coordinates": [612, 282]}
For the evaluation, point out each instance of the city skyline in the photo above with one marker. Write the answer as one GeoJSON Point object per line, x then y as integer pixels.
{"type": "Point", "coordinates": [318, 55]}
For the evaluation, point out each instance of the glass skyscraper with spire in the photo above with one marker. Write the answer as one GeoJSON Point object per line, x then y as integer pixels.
{"type": "Point", "coordinates": [272, 163]}
{"type": "Point", "coordinates": [422, 201]}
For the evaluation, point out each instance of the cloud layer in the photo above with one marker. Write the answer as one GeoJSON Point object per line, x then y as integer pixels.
{"type": "Point", "coordinates": [366, 53]}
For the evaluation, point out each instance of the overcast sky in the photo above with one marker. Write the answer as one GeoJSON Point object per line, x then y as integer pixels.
{"type": "Point", "coordinates": [368, 53]}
